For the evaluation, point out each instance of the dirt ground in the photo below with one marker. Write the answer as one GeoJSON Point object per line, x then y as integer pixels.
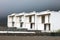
{"type": "Point", "coordinates": [29, 37]}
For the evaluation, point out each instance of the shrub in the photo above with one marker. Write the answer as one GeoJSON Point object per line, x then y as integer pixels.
{"type": "Point", "coordinates": [58, 31]}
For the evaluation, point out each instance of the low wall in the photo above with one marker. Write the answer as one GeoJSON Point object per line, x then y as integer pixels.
{"type": "Point", "coordinates": [29, 34]}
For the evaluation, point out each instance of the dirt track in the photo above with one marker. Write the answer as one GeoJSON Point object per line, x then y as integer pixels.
{"type": "Point", "coordinates": [29, 38]}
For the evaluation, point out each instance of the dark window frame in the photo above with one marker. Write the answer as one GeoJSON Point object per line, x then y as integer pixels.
{"type": "Point", "coordinates": [43, 18]}
{"type": "Point", "coordinates": [46, 27]}
{"type": "Point", "coordinates": [30, 18]}
{"type": "Point", "coordinates": [31, 26]}
{"type": "Point", "coordinates": [21, 24]}
{"type": "Point", "coordinates": [12, 23]}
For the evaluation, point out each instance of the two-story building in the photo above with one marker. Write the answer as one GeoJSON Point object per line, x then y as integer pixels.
{"type": "Point", "coordinates": [44, 21]}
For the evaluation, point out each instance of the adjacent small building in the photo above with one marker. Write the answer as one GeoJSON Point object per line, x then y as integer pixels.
{"type": "Point", "coordinates": [46, 21]}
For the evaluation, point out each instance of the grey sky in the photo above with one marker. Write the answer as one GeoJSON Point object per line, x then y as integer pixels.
{"type": "Point", "coordinates": [10, 6]}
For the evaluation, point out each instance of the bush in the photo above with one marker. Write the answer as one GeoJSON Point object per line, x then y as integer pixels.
{"type": "Point", "coordinates": [58, 31]}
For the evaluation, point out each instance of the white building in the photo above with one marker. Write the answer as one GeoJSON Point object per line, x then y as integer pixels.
{"type": "Point", "coordinates": [45, 21]}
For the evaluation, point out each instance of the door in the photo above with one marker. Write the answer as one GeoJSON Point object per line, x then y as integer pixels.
{"type": "Point", "coordinates": [47, 27]}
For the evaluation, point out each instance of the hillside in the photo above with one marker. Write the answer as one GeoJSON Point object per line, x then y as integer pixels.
{"type": "Point", "coordinates": [3, 21]}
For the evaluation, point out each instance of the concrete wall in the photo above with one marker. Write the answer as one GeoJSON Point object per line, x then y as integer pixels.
{"type": "Point", "coordinates": [55, 21]}
{"type": "Point", "coordinates": [36, 20]}
{"type": "Point", "coordinates": [9, 24]}
{"type": "Point", "coordinates": [46, 18]}
{"type": "Point", "coordinates": [40, 26]}
{"type": "Point", "coordinates": [33, 19]}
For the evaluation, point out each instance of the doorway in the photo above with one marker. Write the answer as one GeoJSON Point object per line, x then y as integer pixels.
{"type": "Point", "coordinates": [47, 27]}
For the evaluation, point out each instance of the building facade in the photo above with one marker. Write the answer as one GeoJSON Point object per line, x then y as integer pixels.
{"type": "Point", "coordinates": [44, 21]}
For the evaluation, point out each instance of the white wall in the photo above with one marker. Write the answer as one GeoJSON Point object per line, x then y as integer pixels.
{"type": "Point", "coordinates": [55, 21]}
{"type": "Point", "coordinates": [9, 19]}
{"type": "Point", "coordinates": [27, 19]}
{"type": "Point", "coordinates": [22, 18]}
{"type": "Point", "coordinates": [46, 18]}
{"type": "Point", "coordinates": [9, 24]}
{"type": "Point", "coordinates": [28, 26]}
{"type": "Point", "coordinates": [39, 19]}
{"type": "Point", "coordinates": [33, 19]}
{"type": "Point", "coordinates": [17, 19]}
{"type": "Point", "coordinates": [39, 26]}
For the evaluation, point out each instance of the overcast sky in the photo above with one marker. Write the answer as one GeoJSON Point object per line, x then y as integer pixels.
{"type": "Point", "coordinates": [10, 6]}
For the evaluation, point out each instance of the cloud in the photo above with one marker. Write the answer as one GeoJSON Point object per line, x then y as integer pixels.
{"type": "Point", "coordinates": [9, 6]}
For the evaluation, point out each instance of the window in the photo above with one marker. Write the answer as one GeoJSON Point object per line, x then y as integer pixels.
{"type": "Point", "coordinates": [46, 26]}
{"type": "Point", "coordinates": [49, 26]}
{"type": "Point", "coordinates": [48, 18]}
{"type": "Point", "coordinates": [31, 26]}
{"type": "Point", "coordinates": [29, 18]}
{"type": "Point", "coordinates": [21, 24]}
{"type": "Point", "coordinates": [43, 19]}
{"type": "Point", "coordinates": [20, 19]}
{"type": "Point", "coordinates": [12, 23]}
